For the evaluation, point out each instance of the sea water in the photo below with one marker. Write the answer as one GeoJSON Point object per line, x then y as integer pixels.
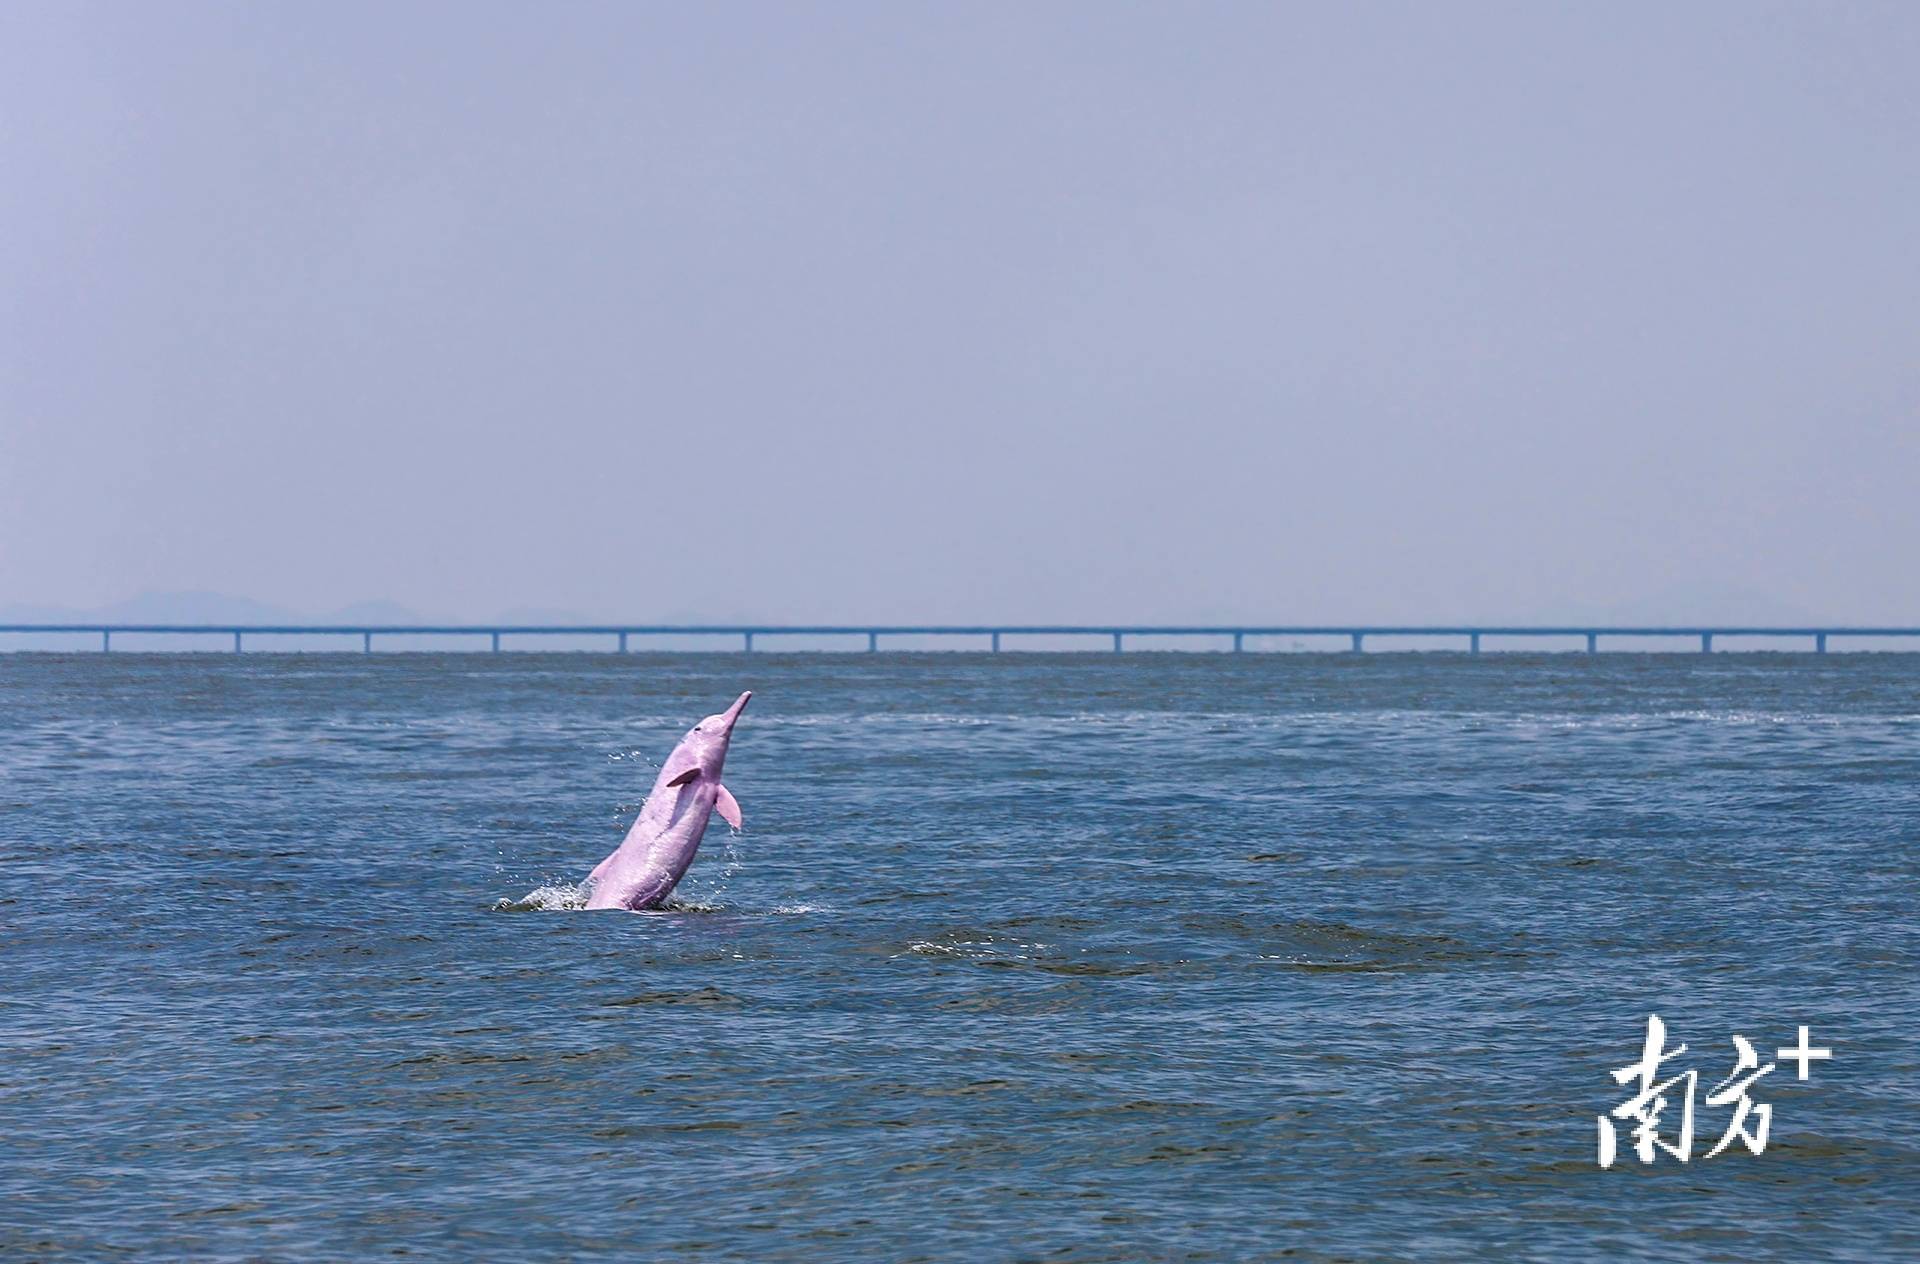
{"type": "Point", "coordinates": [1075, 957]}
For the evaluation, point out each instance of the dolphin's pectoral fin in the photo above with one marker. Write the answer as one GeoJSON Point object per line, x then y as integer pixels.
{"type": "Point", "coordinates": [686, 776]}
{"type": "Point", "coordinates": [728, 807]}
{"type": "Point", "coordinates": [602, 866]}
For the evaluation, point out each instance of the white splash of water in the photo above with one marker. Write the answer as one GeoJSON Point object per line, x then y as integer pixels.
{"type": "Point", "coordinates": [549, 899]}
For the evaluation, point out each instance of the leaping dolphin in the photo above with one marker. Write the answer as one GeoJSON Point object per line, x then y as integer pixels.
{"type": "Point", "coordinates": [642, 871]}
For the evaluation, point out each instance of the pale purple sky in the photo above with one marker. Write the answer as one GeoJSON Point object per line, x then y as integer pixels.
{"type": "Point", "coordinates": [1288, 312]}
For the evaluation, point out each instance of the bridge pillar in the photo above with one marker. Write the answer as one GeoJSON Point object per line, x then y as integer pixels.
{"type": "Point", "coordinates": [1593, 642]}
{"type": "Point", "coordinates": [873, 642]}
{"type": "Point", "coordinates": [236, 640]}
{"type": "Point", "coordinates": [496, 642]}
{"type": "Point", "coordinates": [106, 641]}
{"type": "Point", "coordinates": [996, 642]}
{"type": "Point", "coordinates": [1116, 642]}
{"type": "Point", "coordinates": [1358, 638]}
{"type": "Point", "coordinates": [1706, 642]}
{"type": "Point", "coordinates": [1239, 642]}
{"type": "Point", "coordinates": [1473, 642]}
{"type": "Point", "coordinates": [749, 637]}
{"type": "Point", "coordinates": [623, 642]}
{"type": "Point", "coordinates": [366, 642]}
{"type": "Point", "coordinates": [1819, 642]}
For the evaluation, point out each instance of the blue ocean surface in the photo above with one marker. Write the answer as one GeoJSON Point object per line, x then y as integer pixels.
{"type": "Point", "coordinates": [1020, 956]}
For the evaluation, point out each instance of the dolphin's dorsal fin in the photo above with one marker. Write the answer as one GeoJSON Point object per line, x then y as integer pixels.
{"type": "Point", "coordinates": [686, 776]}
{"type": "Point", "coordinates": [728, 807]}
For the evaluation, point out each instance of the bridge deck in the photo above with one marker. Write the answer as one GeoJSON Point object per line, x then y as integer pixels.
{"type": "Point", "coordinates": [1355, 634]}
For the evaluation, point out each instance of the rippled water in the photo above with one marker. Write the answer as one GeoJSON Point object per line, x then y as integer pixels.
{"type": "Point", "coordinates": [1020, 956]}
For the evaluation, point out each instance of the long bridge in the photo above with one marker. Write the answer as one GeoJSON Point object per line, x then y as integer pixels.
{"type": "Point", "coordinates": [992, 635]}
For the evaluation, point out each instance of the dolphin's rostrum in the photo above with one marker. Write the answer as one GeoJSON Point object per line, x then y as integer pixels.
{"type": "Point", "coordinates": [642, 871]}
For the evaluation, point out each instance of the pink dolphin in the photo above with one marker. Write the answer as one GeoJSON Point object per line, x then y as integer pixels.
{"type": "Point", "coordinates": [642, 871]}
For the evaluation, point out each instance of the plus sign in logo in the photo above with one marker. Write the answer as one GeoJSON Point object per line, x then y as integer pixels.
{"type": "Point", "coordinates": [1803, 1053]}
{"type": "Point", "coordinates": [1661, 1109]}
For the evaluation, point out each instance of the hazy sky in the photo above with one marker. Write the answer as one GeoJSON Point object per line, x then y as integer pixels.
{"type": "Point", "coordinates": [975, 311]}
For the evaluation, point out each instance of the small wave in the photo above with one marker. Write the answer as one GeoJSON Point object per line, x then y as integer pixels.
{"type": "Point", "coordinates": [699, 997]}
{"type": "Point", "coordinates": [999, 953]}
